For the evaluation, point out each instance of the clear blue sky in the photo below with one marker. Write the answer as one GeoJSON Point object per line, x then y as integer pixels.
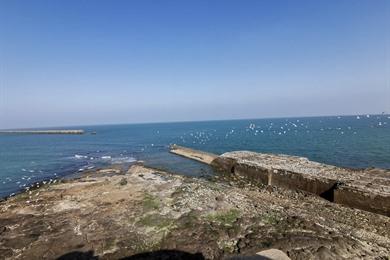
{"type": "Point", "coordinates": [92, 62]}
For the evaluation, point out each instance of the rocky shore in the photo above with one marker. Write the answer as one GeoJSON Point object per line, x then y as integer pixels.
{"type": "Point", "coordinates": [143, 212]}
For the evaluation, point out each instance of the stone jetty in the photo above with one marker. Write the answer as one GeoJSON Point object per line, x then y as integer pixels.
{"type": "Point", "coordinates": [367, 189]}
{"type": "Point", "coordinates": [45, 132]}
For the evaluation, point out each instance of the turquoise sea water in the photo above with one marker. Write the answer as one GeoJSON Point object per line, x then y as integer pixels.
{"type": "Point", "coordinates": [349, 141]}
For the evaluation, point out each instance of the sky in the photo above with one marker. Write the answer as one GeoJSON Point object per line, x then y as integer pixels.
{"type": "Point", "coordinates": [79, 62]}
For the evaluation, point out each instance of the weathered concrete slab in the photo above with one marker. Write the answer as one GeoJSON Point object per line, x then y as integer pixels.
{"type": "Point", "coordinates": [355, 188]}
{"type": "Point", "coordinates": [363, 189]}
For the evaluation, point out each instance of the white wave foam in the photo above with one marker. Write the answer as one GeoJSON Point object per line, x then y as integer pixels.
{"type": "Point", "coordinates": [124, 159]}
{"type": "Point", "coordinates": [77, 156]}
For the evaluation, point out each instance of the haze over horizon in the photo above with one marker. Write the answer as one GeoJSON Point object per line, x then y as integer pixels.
{"type": "Point", "coordinates": [74, 126]}
{"type": "Point", "coordinates": [100, 62]}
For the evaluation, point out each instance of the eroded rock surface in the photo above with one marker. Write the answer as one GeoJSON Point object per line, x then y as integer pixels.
{"type": "Point", "coordinates": [143, 210]}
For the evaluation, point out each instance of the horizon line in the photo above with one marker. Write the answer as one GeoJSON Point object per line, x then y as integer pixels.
{"type": "Point", "coordinates": [189, 121]}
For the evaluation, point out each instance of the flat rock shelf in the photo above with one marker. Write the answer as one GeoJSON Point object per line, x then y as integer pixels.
{"type": "Point", "coordinates": [147, 213]}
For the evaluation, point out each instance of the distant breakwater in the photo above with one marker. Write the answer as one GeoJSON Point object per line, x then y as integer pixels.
{"type": "Point", "coordinates": [62, 132]}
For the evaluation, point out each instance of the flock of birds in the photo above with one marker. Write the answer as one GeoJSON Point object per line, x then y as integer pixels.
{"type": "Point", "coordinates": [289, 126]}
{"type": "Point", "coordinates": [26, 181]}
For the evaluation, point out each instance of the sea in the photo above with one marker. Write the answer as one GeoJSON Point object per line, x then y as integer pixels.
{"type": "Point", "coordinates": [359, 141]}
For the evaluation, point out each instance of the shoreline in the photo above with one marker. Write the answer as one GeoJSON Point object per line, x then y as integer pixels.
{"type": "Point", "coordinates": [68, 176]}
{"type": "Point", "coordinates": [232, 160]}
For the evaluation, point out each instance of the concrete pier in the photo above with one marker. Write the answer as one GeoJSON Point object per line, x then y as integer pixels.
{"type": "Point", "coordinates": [196, 155]}
{"type": "Point", "coordinates": [363, 189]}
{"type": "Point", "coordinates": [45, 132]}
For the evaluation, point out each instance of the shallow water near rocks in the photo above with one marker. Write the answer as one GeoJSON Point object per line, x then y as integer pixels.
{"type": "Point", "coordinates": [347, 141]}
